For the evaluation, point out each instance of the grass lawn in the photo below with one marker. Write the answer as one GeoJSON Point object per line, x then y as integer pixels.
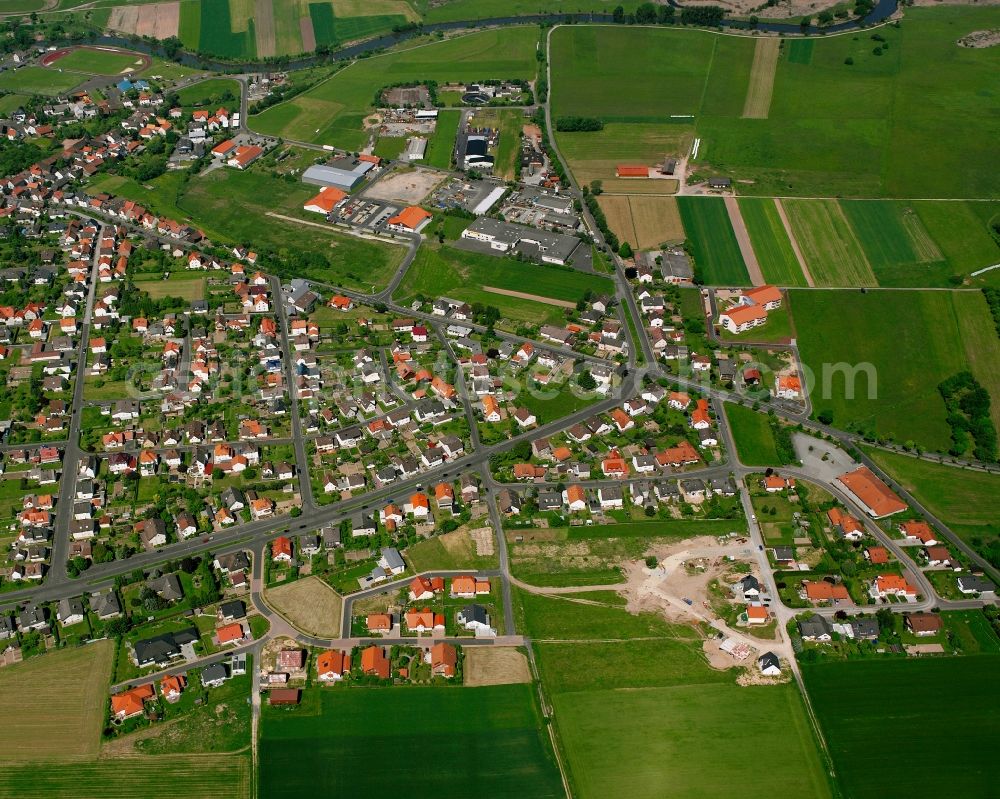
{"type": "Point", "coordinates": [712, 242]}
{"type": "Point", "coordinates": [99, 62]}
{"type": "Point", "coordinates": [596, 72]}
{"type": "Point", "coordinates": [777, 328]}
{"type": "Point", "coordinates": [9, 103]}
{"type": "Point", "coordinates": [232, 206]}
{"type": "Point", "coordinates": [442, 144]}
{"type": "Point", "coordinates": [908, 356]}
{"type": "Point", "coordinates": [508, 122]}
{"type": "Point", "coordinates": [332, 112]}
{"type": "Point", "coordinates": [961, 231]}
{"type": "Point", "coordinates": [962, 499]}
{"type": "Point", "coordinates": [38, 80]}
{"type": "Point", "coordinates": [882, 696]}
{"type": "Point", "coordinates": [550, 403]}
{"type": "Point", "coordinates": [210, 92]}
{"type": "Point", "coordinates": [390, 148]}
{"type": "Point", "coordinates": [770, 243]}
{"type": "Point", "coordinates": [488, 9]}
{"type": "Point", "coordinates": [637, 708]}
{"type": "Point", "coordinates": [180, 284]}
{"type": "Point", "coordinates": [454, 550]}
{"type": "Point", "coordinates": [754, 438]}
{"type": "Point", "coordinates": [656, 527]}
{"type": "Point", "coordinates": [344, 747]}
{"type": "Point", "coordinates": [461, 274]}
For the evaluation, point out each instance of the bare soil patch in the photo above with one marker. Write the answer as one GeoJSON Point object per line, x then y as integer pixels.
{"type": "Point", "coordinates": [782, 10]}
{"type": "Point", "coordinates": [743, 239]}
{"type": "Point", "coordinates": [493, 665]}
{"type": "Point", "coordinates": [310, 605]}
{"type": "Point", "coordinates": [534, 297]}
{"type": "Point", "coordinates": [58, 701]}
{"type": "Point", "coordinates": [264, 26]}
{"type": "Point", "coordinates": [307, 33]}
{"type": "Point", "coordinates": [158, 20]}
{"type": "Point", "coordinates": [989, 38]}
{"type": "Point", "coordinates": [410, 186]}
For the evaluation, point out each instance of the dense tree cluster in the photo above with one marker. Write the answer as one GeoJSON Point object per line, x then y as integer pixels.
{"type": "Point", "coordinates": [968, 405]}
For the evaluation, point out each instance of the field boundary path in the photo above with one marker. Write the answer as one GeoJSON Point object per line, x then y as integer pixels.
{"type": "Point", "coordinates": [533, 297]}
{"type": "Point", "coordinates": [795, 245]}
{"type": "Point", "coordinates": [743, 239]}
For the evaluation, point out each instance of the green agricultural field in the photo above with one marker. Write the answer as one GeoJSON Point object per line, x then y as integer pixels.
{"type": "Point", "coordinates": [858, 129]}
{"type": "Point", "coordinates": [882, 697]}
{"type": "Point", "coordinates": [489, 9]}
{"type": "Point", "coordinates": [637, 708]}
{"type": "Point", "coordinates": [332, 30]}
{"type": "Point", "coordinates": [39, 80]}
{"type": "Point", "coordinates": [99, 62]}
{"type": "Point", "coordinates": [962, 499]}
{"type": "Point", "coordinates": [632, 743]}
{"type": "Point", "coordinates": [550, 403]}
{"type": "Point", "coordinates": [332, 112]}
{"type": "Point", "coordinates": [770, 243]}
{"type": "Point", "coordinates": [899, 357]}
{"type": "Point", "coordinates": [777, 329]}
{"type": "Point", "coordinates": [755, 443]}
{"type": "Point", "coordinates": [832, 251]}
{"type": "Point", "coordinates": [234, 207]}
{"type": "Point", "coordinates": [442, 143]}
{"type": "Point", "coordinates": [594, 73]}
{"type": "Point", "coordinates": [12, 6]}
{"type": "Point", "coordinates": [164, 777]}
{"type": "Point", "coordinates": [189, 24]}
{"type": "Point", "coordinates": [896, 243]}
{"type": "Point", "coordinates": [712, 242]}
{"type": "Point", "coordinates": [343, 747]}
{"type": "Point", "coordinates": [217, 35]}
{"type": "Point", "coordinates": [962, 232]}
{"type": "Point", "coordinates": [621, 75]}
{"type": "Point", "coordinates": [462, 275]}
{"type": "Point", "coordinates": [864, 129]}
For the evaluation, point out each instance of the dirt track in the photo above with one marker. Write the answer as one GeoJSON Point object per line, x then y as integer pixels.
{"type": "Point", "coordinates": [743, 239]}
{"type": "Point", "coordinates": [794, 243]}
{"type": "Point", "coordinates": [533, 297]}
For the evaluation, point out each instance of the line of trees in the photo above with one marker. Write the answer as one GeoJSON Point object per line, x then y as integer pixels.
{"type": "Point", "coordinates": [579, 124]}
